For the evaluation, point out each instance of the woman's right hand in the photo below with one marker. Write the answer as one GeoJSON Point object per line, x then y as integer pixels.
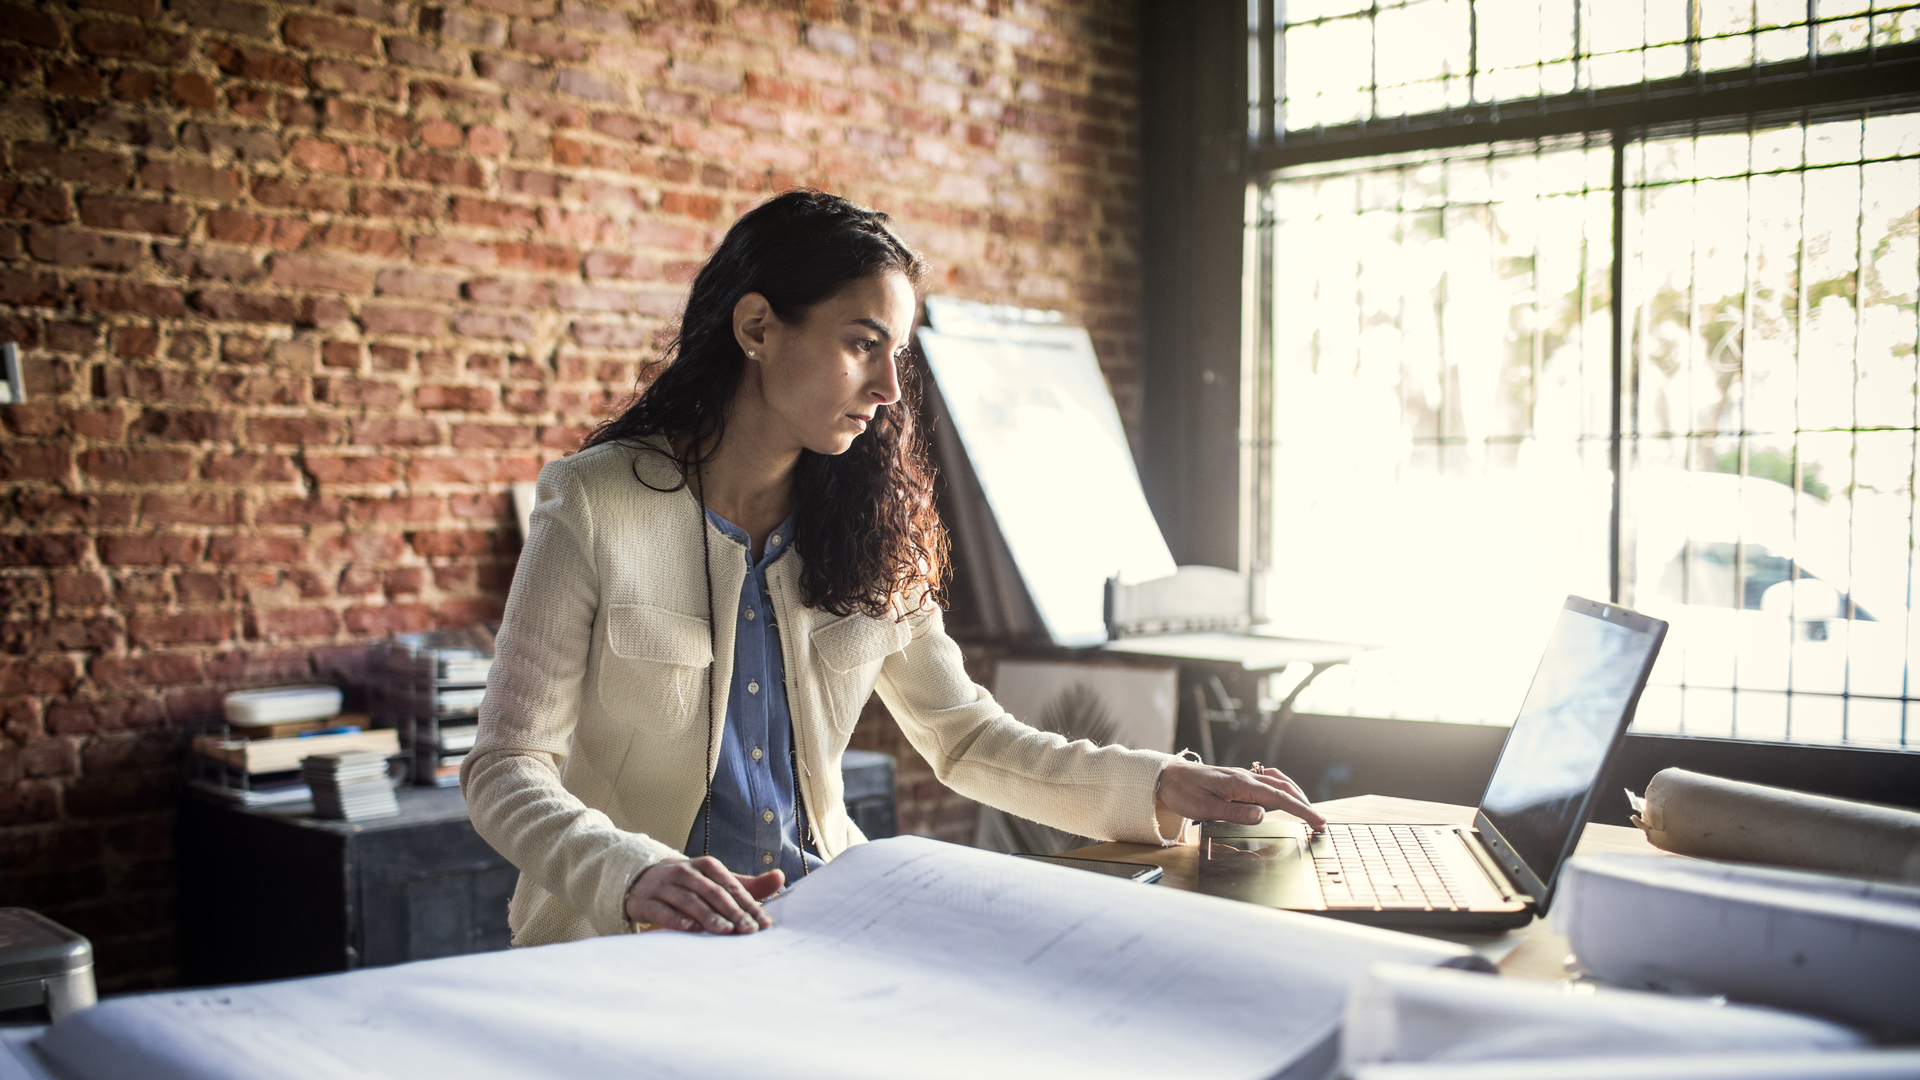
{"type": "Point", "coordinates": [701, 894]}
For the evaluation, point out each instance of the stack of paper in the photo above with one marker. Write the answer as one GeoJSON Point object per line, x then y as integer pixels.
{"type": "Point", "coordinates": [256, 756]}
{"type": "Point", "coordinates": [351, 786]}
{"type": "Point", "coordinates": [282, 704]}
{"type": "Point", "coordinates": [456, 737]}
{"type": "Point", "coordinates": [1839, 1065]}
{"type": "Point", "coordinates": [1407, 1014]}
{"type": "Point", "coordinates": [1840, 947]}
{"type": "Point", "coordinates": [903, 957]}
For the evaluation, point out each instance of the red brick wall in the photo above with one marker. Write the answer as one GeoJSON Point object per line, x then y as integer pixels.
{"type": "Point", "coordinates": [301, 289]}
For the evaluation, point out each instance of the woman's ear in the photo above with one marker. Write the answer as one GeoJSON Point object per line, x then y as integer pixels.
{"type": "Point", "coordinates": [751, 318]}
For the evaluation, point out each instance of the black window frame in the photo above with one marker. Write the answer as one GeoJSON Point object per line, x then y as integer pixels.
{"type": "Point", "coordinates": [1208, 134]}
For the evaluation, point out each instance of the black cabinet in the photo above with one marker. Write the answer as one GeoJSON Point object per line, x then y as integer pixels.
{"type": "Point", "coordinates": [273, 893]}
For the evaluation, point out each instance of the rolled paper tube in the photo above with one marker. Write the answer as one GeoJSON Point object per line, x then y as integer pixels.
{"type": "Point", "coordinates": [1712, 818]}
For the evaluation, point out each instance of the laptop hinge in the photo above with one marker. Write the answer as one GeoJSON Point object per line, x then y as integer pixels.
{"type": "Point", "coordinates": [1495, 875]}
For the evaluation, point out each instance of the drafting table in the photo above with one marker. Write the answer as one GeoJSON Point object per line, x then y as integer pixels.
{"type": "Point", "coordinates": [1231, 665]}
{"type": "Point", "coordinates": [1253, 653]}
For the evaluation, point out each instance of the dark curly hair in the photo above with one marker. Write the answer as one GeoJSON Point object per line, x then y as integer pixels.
{"type": "Point", "coordinates": [864, 521]}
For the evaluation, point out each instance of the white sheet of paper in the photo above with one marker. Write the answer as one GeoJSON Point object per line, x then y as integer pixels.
{"type": "Point", "coordinates": [1404, 1013]}
{"type": "Point", "coordinates": [1840, 947]}
{"type": "Point", "coordinates": [902, 957]}
{"type": "Point", "coordinates": [1844, 1065]}
{"type": "Point", "coordinates": [17, 1059]}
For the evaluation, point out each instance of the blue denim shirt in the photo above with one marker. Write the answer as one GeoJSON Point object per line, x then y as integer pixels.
{"type": "Point", "coordinates": [755, 827]}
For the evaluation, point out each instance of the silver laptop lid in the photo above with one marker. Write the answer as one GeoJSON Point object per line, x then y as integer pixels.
{"type": "Point", "coordinates": [1578, 707]}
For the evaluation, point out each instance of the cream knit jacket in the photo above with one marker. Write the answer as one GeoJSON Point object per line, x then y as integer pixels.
{"type": "Point", "coordinates": [591, 760]}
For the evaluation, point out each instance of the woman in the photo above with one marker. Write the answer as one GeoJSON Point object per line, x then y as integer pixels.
{"type": "Point", "coordinates": [713, 586]}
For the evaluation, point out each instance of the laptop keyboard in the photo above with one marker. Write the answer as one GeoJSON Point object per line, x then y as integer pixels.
{"type": "Point", "coordinates": [1383, 866]}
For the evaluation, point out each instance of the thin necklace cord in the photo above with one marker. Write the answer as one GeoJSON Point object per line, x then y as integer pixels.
{"type": "Point", "coordinates": [713, 650]}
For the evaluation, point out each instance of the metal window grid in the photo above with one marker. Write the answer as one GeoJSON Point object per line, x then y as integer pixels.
{"type": "Point", "coordinates": [1823, 87]}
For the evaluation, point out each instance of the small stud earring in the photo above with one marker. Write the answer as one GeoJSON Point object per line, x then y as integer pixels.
{"type": "Point", "coordinates": [750, 352]}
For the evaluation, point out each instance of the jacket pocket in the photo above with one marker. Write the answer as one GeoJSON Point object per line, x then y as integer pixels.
{"type": "Point", "coordinates": [644, 632]}
{"type": "Point", "coordinates": [654, 668]}
{"type": "Point", "coordinates": [848, 652]}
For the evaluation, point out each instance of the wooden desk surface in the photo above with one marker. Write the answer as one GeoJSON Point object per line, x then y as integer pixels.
{"type": "Point", "coordinates": [1539, 953]}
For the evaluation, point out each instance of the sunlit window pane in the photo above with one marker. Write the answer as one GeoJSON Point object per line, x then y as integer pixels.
{"type": "Point", "coordinates": [1347, 61]}
{"type": "Point", "coordinates": [1721, 17]}
{"type": "Point", "coordinates": [1833, 9]}
{"type": "Point", "coordinates": [1777, 149]}
{"type": "Point", "coordinates": [1769, 494]}
{"type": "Point", "coordinates": [1429, 373]}
{"type": "Point", "coordinates": [1443, 391]}
{"type": "Point", "coordinates": [1666, 62]}
{"type": "Point", "coordinates": [1774, 13]}
{"type": "Point", "coordinates": [1897, 135]}
{"type": "Point", "coordinates": [1666, 21]}
{"type": "Point", "coordinates": [1897, 27]}
{"type": "Point", "coordinates": [1874, 723]}
{"type": "Point", "coordinates": [1329, 72]}
{"type": "Point", "coordinates": [1770, 344]}
{"type": "Point", "coordinates": [1843, 35]}
{"type": "Point", "coordinates": [1614, 27]}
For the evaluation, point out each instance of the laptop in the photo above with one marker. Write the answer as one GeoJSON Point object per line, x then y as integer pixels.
{"type": "Point", "coordinates": [1499, 872]}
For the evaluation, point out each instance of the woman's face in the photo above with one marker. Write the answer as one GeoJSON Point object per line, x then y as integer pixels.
{"type": "Point", "coordinates": [821, 380]}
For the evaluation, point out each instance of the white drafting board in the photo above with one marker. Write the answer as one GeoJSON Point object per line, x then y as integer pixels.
{"type": "Point", "coordinates": [1040, 428]}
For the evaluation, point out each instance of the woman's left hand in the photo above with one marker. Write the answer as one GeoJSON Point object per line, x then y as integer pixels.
{"type": "Point", "coordinates": [1213, 793]}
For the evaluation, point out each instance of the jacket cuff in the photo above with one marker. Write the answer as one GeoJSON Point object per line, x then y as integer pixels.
{"type": "Point", "coordinates": [1171, 828]}
{"type": "Point", "coordinates": [623, 866]}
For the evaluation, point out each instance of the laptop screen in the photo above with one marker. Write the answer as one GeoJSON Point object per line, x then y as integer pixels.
{"type": "Point", "coordinates": [1588, 681]}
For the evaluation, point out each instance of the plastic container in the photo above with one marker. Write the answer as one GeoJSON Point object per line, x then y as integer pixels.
{"type": "Point", "coordinates": [43, 965]}
{"type": "Point", "coordinates": [282, 705]}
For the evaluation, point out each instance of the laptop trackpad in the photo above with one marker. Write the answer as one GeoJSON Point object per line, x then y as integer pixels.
{"type": "Point", "coordinates": [1270, 870]}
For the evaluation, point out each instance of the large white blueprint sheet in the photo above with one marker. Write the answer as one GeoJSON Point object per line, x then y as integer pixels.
{"type": "Point", "coordinates": [902, 957]}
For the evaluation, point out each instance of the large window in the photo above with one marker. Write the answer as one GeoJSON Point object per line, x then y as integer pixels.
{"type": "Point", "coordinates": [1348, 61]}
{"type": "Point", "coordinates": [1671, 363]}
